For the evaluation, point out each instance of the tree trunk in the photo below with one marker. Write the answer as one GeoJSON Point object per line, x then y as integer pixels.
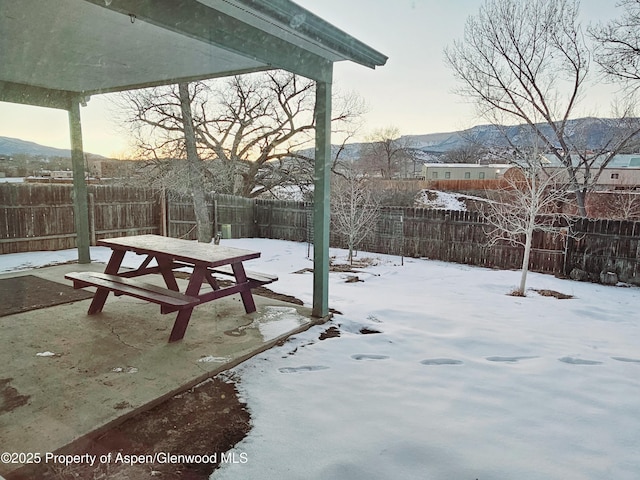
{"type": "Point", "coordinates": [580, 201]}
{"type": "Point", "coordinates": [525, 262]}
{"type": "Point", "coordinates": [195, 177]}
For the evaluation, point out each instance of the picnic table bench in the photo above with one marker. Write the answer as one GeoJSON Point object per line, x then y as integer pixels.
{"type": "Point", "coordinates": [167, 299]}
{"type": "Point", "coordinates": [171, 254]}
{"type": "Point", "coordinates": [256, 278]}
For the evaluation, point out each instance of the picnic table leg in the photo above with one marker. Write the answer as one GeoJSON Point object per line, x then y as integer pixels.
{"type": "Point", "coordinates": [247, 297]}
{"type": "Point", "coordinates": [166, 270]}
{"type": "Point", "coordinates": [102, 293]}
{"type": "Point", "coordinates": [184, 315]}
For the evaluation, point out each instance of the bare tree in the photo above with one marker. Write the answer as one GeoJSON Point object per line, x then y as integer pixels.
{"type": "Point", "coordinates": [355, 207]}
{"type": "Point", "coordinates": [628, 206]}
{"type": "Point", "coordinates": [471, 150]}
{"type": "Point", "coordinates": [154, 120]}
{"type": "Point", "coordinates": [526, 205]}
{"type": "Point", "coordinates": [176, 139]}
{"type": "Point", "coordinates": [387, 153]}
{"type": "Point", "coordinates": [622, 205]}
{"type": "Point", "coordinates": [619, 44]}
{"type": "Point", "coordinates": [527, 62]}
{"type": "Point", "coordinates": [345, 128]}
{"type": "Point", "coordinates": [250, 130]}
{"type": "Point", "coordinates": [466, 153]}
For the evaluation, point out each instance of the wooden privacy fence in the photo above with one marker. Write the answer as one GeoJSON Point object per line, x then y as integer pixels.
{"type": "Point", "coordinates": [606, 245]}
{"type": "Point", "coordinates": [457, 236]}
{"type": "Point", "coordinates": [40, 217]}
{"type": "Point", "coordinates": [239, 217]}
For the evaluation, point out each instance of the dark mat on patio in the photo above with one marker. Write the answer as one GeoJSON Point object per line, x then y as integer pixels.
{"type": "Point", "coordinates": [21, 294]}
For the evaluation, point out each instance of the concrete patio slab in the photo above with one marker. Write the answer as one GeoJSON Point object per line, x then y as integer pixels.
{"type": "Point", "coordinates": [64, 374]}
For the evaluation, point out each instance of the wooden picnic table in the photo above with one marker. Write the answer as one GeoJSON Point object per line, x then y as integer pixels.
{"type": "Point", "coordinates": [169, 254]}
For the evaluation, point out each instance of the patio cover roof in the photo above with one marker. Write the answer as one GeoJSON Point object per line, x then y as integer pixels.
{"type": "Point", "coordinates": [56, 54]}
{"type": "Point", "coordinates": [52, 51]}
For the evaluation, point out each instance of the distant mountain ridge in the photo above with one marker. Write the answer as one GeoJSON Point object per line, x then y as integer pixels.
{"type": "Point", "coordinates": [14, 146]}
{"type": "Point", "coordinates": [589, 132]}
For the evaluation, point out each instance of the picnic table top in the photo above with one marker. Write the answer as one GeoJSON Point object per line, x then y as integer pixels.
{"type": "Point", "coordinates": [188, 251]}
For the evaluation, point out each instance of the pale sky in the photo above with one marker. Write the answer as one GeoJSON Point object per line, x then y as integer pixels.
{"type": "Point", "coordinates": [413, 91]}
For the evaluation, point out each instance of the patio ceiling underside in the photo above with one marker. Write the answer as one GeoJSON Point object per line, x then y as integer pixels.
{"type": "Point", "coordinates": [52, 51]}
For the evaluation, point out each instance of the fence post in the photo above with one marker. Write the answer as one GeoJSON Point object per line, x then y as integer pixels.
{"type": "Point", "coordinates": [163, 213]}
{"type": "Point", "coordinates": [570, 243]}
{"type": "Point", "coordinates": [92, 219]}
{"type": "Point", "coordinates": [168, 214]}
{"type": "Point", "coordinates": [401, 239]}
{"type": "Point", "coordinates": [309, 230]}
{"type": "Point", "coordinates": [216, 228]}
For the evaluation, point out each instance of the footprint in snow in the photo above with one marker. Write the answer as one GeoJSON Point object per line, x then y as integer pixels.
{"type": "Point", "coordinates": [303, 368]}
{"type": "Point", "coordinates": [625, 359]}
{"type": "Point", "coordinates": [579, 361]}
{"type": "Point", "coordinates": [441, 361]}
{"type": "Point", "coordinates": [510, 359]}
{"type": "Point", "coordinates": [366, 356]}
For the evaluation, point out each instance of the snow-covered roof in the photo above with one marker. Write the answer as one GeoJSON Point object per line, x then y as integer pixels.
{"type": "Point", "coordinates": [627, 160]}
{"type": "Point", "coordinates": [469, 165]}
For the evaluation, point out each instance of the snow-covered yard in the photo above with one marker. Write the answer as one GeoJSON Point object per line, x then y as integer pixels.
{"type": "Point", "coordinates": [462, 382]}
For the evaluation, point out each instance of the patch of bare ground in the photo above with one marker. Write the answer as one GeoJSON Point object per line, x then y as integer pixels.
{"type": "Point", "coordinates": [334, 332]}
{"type": "Point", "coordinates": [208, 419]}
{"type": "Point", "coordinates": [331, 332]}
{"type": "Point", "coordinates": [543, 292]}
{"type": "Point", "coordinates": [205, 420]}
{"type": "Point", "coordinates": [265, 292]}
{"type": "Point", "coordinates": [345, 267]}
{"type": "Point", "coordinates": [341, 267]}
{"type": "Point", "coordinates": [552, 293]}
{"type": "Point", "coordinates": [516, 293]}
{"type": "Point", "coordinates": [369, 331]}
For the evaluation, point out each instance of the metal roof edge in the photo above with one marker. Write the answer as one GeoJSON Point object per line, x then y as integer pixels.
{"type": "Point", "coordinates": [299, 20]}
